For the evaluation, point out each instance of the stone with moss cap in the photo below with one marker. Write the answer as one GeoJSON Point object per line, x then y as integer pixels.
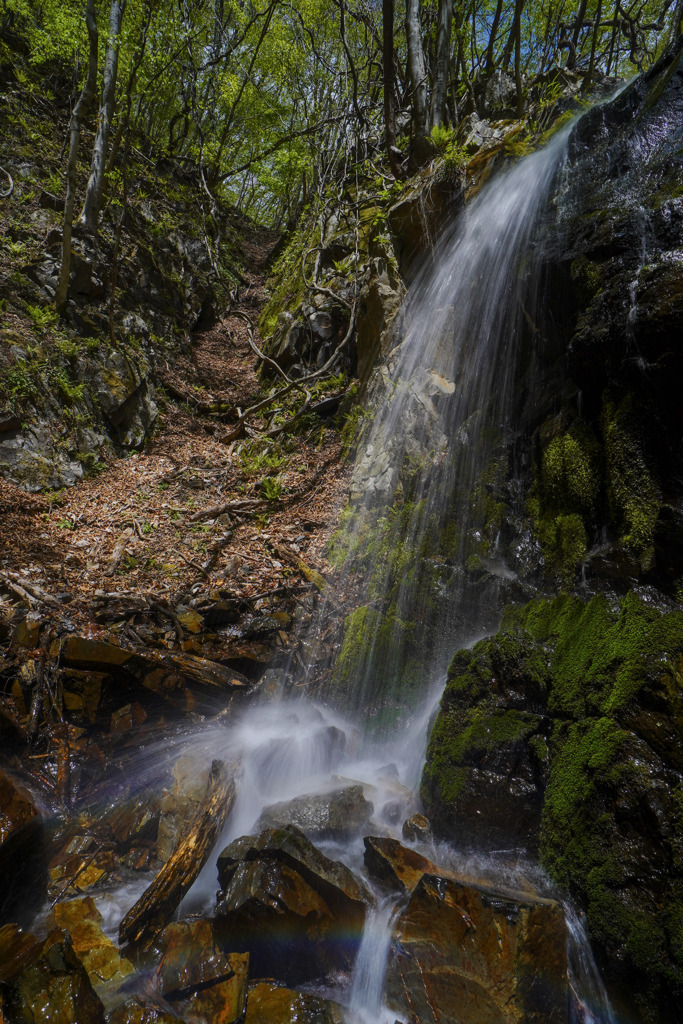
{"type": "Point", "coordinates": [591, 694]}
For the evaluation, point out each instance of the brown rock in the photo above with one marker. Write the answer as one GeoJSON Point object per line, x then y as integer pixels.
{"type": "Point", "coordinates": [180, 802]}
{"type": "Point", "coordinates": [298, 914]}
{"type": "Point", "coordinates": [22, 865]}
{"type": "Point", "coordinates": [194, 970]}
{"type": "Point", "coordinates": [465, 954]}
{"type": "Point", "coordinates": [394, 865]}
{"type": "Point", "coordinates": [17, 949]}
{"type": "Point", "coordinates": [53, 987]}
{"type": "Point", "coordinates": [417, 828]}
{"type": "Point", "coordinates": [270, 1004]}
{"type": "Point", "coordinates": [173, 678]}
{"type": "Point", "coordinates": [107, 970]}
{"type": "Point", "coordinates": [27, 631]}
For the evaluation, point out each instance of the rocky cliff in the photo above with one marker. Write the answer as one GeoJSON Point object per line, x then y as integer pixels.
{"type": "Point", "coordinates": [563, 732]}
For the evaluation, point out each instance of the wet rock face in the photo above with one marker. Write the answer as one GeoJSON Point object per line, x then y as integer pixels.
{"type": "Point", "coordinates": [463, 954]}
{"type": "Point", "coordinates": [483, 781]}
{"type": "Point", "coordinates": [22, 862]}
{"type": "Point", "coordinates": [106, 969]}
{"type": "Point", "coordinates": [54, 986]}
{"type": "Point", "coordinates": [272, 1004]}
{"type": "Point", "coordinates": [296, 912]}
{"type": "Point", "coordinates": [197, 978]}
{"type": "Point", "coordinates": [341, 812]}
{"type": "Point", "coordinates": [395, 866]}
{"type": "Point", "coordinates": [588, 696]}
{"type": "Point", "coordinates": [619, 296]}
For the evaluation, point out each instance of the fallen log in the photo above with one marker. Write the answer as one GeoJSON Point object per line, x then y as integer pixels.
{"type": "Point", "coordinates": [158, 903]}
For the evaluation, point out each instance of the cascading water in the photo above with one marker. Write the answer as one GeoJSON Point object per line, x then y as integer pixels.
{"type": "Point", "coordinates": [448, 399]}
{"type": "Point", "coordinates": [423, 522]}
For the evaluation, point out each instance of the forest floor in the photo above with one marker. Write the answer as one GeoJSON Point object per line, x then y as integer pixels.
{"type": "Point", "coordinates": [194, 512]}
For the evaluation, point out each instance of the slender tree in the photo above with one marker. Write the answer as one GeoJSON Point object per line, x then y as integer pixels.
{"type": "Point", "coordinates": [388, 82]}
{"type": "Point", "coordinates": [417, 75]}
{"type": "Point", "coordinates": [442, 63]}
{"type": "Point", "coordinates": [93, 197]}
{"type": "Point", "coordinates": [79, 113]}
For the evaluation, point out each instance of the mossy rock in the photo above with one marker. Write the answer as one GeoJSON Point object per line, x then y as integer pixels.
{"type": "Point", "coordinates": [564, 732]}
{"type": "Point", "coordinates": [484, 777]}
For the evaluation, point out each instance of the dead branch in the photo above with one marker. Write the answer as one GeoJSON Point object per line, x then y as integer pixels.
{"type": "Point", "coordinates": [158, 903]}
{"type": "Point", "coordinates": [10, 190]}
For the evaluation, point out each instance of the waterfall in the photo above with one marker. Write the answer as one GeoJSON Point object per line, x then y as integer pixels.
{"type": "Point", "coordinates": [424, 526]}
{"type": "Point", "coordinates": [422, 559]}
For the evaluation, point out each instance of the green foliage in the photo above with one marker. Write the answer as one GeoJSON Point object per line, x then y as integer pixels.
{"type": "Point", "coordinates": [44, 318]}
{"type": "Point", "coordinates": [271, 488]}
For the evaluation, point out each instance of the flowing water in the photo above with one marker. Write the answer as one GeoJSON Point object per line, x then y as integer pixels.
{"type": "Point", "coordinates": [458, 383]}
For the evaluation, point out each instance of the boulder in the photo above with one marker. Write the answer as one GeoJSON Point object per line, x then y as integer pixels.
{"type": "Point", "coordinates": [466, 954]}
{"type": "Point", "coordinates": [180, 802]}
{"type": "Point", "coordinates": [298, 913]}
{"type": "Point", "coordinates": [339, 812]}
{"type": "Point", "coordinates": [54, 986]}
{"type": "Point", "coordinates": [272, 1004]}
{"type": "Point", "coordinates": [581, 700]}
{"type": "Point", "coordinates": [198, 978]}
{"type": "Point", "coordinates": [144, 678]}
{"type": "Point", "coordinates": [417, 828]}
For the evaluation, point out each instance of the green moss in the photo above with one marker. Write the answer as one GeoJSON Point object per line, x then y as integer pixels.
{"type": "Point", "coordinates": [378, 647]}
{"type": "Point", "coordinates": [564, 541]}
{"type": "Point", "coordinates": [474, 722]}
{"type": "Point", "coordinates": [584, 751]}
{"type": "Point", "coordinates": [488, 729]}
{"type": "Point", "coordinates": [568, 472]}
{"type": "Point", "coordinates": [587, 278]}
{"type": "Point", "coordinates": [633, 492]}
{"type": "Point", "coordinates": [565, 497]}
{"type": "Point", "coordinates": [602, 655]}
{"type": "Point", "coordinates": [286, 283]}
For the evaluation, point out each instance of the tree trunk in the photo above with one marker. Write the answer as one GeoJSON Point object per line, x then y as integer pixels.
{"type": "Point", "coordinates": [493, 35]}
{"type": "Point", "coordinates": [417, 73]}
{"type": "Point", "coordinates": [79, 113]}
{"type": "Point", "coordinates": [518, 56]}
{"type": "Point", "coordinates": [576, 35]}
{"type": "Point", "coordinates": [158, 903]}
{"type": "Point", "coordinates": [93, 196]}
{"type": "Point", "coordinates": [443, 48]}
{"type": "Point", "coordinates": [388, 82]}
{"type": "Point", "coordinates": [588, 80]}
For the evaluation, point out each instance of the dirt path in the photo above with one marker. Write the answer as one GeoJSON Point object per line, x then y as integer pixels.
{"type": "Point", "coordinates": [142, 525]}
